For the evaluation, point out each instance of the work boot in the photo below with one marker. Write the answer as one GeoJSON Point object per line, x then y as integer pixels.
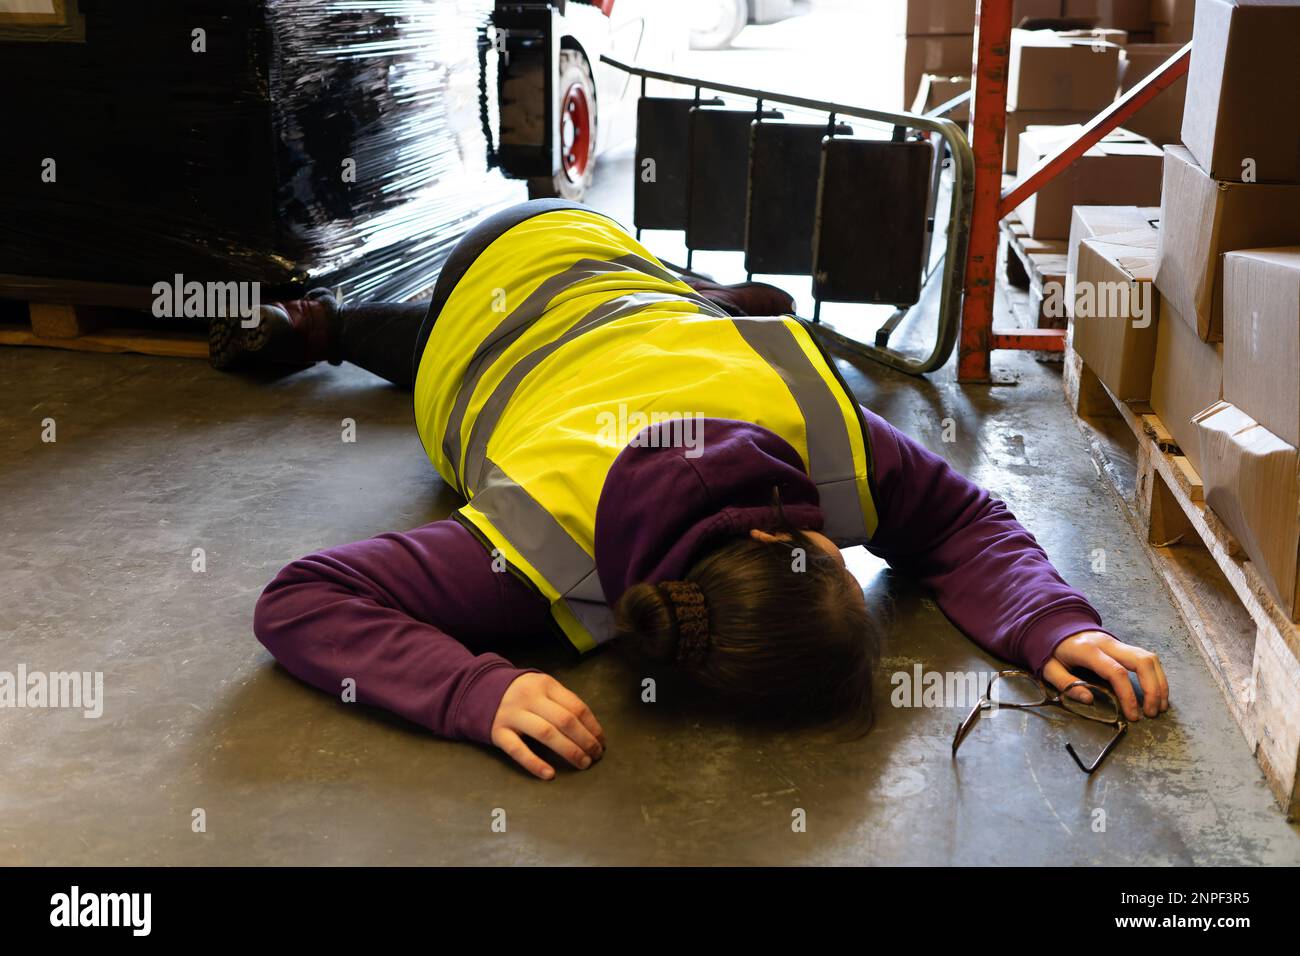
{"type": "Point", "coordinates": [298, 332]}
{"type": "Point", "coordinates": [744, 298]}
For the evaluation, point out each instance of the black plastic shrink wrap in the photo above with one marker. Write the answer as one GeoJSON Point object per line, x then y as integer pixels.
{"type": "Point", "coordinates": [229, 164]}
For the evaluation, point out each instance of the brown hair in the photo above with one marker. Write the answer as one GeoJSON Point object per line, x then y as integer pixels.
{"type": "Point", "coordinates": [786, 637]}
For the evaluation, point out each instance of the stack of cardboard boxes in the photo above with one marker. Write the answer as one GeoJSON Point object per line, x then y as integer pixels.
{"type": "Point", "coordinates": [1123, 169]}
{"type": "Point", "coordinates": [1022, 10]}
{"type": "Point", "coordinates": [1056, 80]}
{"type": "Point", "coordinates": [1172, 20]}
{"type": "Point", "coordinates": [1053, 81]}
{"type": "Point", "coordinates": [927, 37]}
{"type": "Point", "coordinates": [1058, 77]}
{"type": "Point", "coordinates": [1161, 120]}
{"type": "Point", "coordinates": [1132, 16]}
{"type": "Point", "coordinates": [1222, 363]}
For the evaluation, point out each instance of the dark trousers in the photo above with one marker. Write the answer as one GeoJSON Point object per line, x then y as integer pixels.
{"type": "Point", "coordinates": [388, 338]}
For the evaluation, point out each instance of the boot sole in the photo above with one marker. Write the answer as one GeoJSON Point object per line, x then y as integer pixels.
{"type": "Point", "coordinates": [229, 340]}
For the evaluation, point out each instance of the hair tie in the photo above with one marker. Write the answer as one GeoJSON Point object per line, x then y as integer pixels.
{"type": "Point", "coordinates": [692, 619]}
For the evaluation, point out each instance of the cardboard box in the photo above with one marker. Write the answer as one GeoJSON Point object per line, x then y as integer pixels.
{"type": "Point", "coordinates": [1161, 120]}
{"type": "Point", "coordinates": [1173, 11]}
{"type": "Point", "coordinates": [1052, 72]}
{"type": "Point", "coordinates": [1179, 33]}
{"type": "Point", "coordinates": [1201, 219]}
{"type": "Point", "coordinates": [1120, 14]}
{"type": "Point", "coordinates": [1261, 337]}
{"type": "Point", "coordinates": [937, 90]}
{"type": "Point", "coordinates": [1089, 221]}
{"type": "Point", "coordinates": [1250, 479]}
{"type": "Point", "coordinates": [1021, 120]}
{"type": "Point", "coordinates": [1022, 10]}
{"type": "Point", "coordinates": [1186, 380]}
{"type": "Point", "coordinates": [1115, 311]}
{"type": "Point", "coordinates": [1243, 101]}
{"type": "Point", "coordinates": [1122, 170]}
{"type": "Point", "coordinates": [915, 56]}
{"type": "Point", "coordinates": [925, 17]}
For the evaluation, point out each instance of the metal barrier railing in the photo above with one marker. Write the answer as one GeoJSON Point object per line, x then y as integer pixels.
{"type": "Point", "coordinates": [959, 213]}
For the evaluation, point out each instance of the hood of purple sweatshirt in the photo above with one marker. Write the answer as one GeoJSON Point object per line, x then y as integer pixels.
{"type": "Point", "coordinates": [662, 505]}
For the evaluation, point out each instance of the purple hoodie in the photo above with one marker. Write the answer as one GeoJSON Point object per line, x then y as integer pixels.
{"type": "Point", "coordinates": [413, 617]}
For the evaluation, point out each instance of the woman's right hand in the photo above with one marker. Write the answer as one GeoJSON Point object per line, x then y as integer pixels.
{"type": "Point", "coordinates": [540, 707]}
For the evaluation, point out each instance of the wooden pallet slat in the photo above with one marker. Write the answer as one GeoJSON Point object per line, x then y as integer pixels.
{"type": "Point", "coordinates": [1038, 265]}
{"type": "Point", "coordinates": [83, 327]}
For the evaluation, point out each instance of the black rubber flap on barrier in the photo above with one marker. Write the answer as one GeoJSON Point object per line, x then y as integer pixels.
{"type": "Point", "coordinates": [526, 91]}
{"type": "Point", "coordinates": [870, 237]}
{"type": "Point", "coordinates": [663, 129]}
{"type": "Point", "coordinates": [784, 165]}
{"type": "Point", "coordinates": [719, 179]}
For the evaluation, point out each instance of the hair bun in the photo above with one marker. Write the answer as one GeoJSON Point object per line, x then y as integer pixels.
{"type": "Point", "coordinates": [667, 622]}
{"type": "Point", "coordinates": [691, 617]}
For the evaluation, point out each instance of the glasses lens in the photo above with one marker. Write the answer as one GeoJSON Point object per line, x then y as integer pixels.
{"type": "Point", "coordinates": [1102, 706]}
{"type": "Point", "coordinates": [1016, 689]}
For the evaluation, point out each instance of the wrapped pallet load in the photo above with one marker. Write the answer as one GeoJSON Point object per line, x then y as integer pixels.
{"type": "Point", "coordinates": [288, 142]}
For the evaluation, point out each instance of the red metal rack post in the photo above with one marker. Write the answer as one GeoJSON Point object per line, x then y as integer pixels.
{"type": "Point", "coordinates": [988, 132]}
{"type": "Point", "coordinates": [991, 205]}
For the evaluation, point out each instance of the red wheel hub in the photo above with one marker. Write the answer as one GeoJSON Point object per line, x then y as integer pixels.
{"type": "Point", "coordinates": [575, 132]}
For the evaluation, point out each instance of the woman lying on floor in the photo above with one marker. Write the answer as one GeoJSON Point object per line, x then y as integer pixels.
{"type": "Point", "coordinates": [706, 540]}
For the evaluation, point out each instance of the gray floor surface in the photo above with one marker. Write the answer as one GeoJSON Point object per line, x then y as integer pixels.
{"type": "Point", "coordinates": [156, 457]}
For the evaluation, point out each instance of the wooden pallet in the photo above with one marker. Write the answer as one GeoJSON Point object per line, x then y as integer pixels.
{"type": "Point", "coordinates": [1035, 264]}
{"type": "Point", "coordinates": [1251, 646]}
{"type": "Point", "coordinates": [89, 317]}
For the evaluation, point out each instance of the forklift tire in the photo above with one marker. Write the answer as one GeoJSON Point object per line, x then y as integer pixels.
{"type": "Point", "coordinates": [577, 105]}
{"type": "Point", "coordinates": [715, 23]}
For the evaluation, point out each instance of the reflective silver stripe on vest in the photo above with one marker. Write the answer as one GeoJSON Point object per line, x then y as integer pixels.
{"type": "Point", "coordinates": [595, 616]}
{"type": "Point", "coordinates": [514, 325]}
{"type": "Point", "coordinates": [830, 455]}
{"type": "Point", "coordinates": [489, 415]}
{"type": "Point", "coordinates": [543, 543]}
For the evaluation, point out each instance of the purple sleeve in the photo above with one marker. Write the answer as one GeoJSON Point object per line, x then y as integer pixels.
{"type": "Point", "coordinates": [989, 575]}
{"type": "Point", "coordinates": [395, 613]}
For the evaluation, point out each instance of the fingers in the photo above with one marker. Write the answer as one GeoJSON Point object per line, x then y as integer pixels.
{"type": "Point", "coordinates": [1115, 674]}
{"type": "Point", "coordinates": [1155, 688]}
{"type": "Point", "coordinates": [574, 705]}
{"type": "Point", "coordinates": [567, 723]}
{"type": "Point", "coordinates": [1164, 686]}
{"type": "Point", "coordinates": [522, 754]}
{"type": "Point", "coordinates": [1054, 673]}
{"type": "Point", "coordinates": [544, 732]}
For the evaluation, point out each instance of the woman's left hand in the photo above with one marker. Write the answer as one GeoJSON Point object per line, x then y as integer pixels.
{"type": "Point", "coordinates": [1111, 660]}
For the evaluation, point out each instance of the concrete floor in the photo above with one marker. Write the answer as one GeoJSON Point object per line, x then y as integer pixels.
{"type": "Point", "coordinates": [156, 457]}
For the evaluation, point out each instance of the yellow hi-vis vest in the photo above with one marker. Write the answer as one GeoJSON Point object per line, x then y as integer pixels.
{"type": "Point", "coordinates": [563, 328]}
